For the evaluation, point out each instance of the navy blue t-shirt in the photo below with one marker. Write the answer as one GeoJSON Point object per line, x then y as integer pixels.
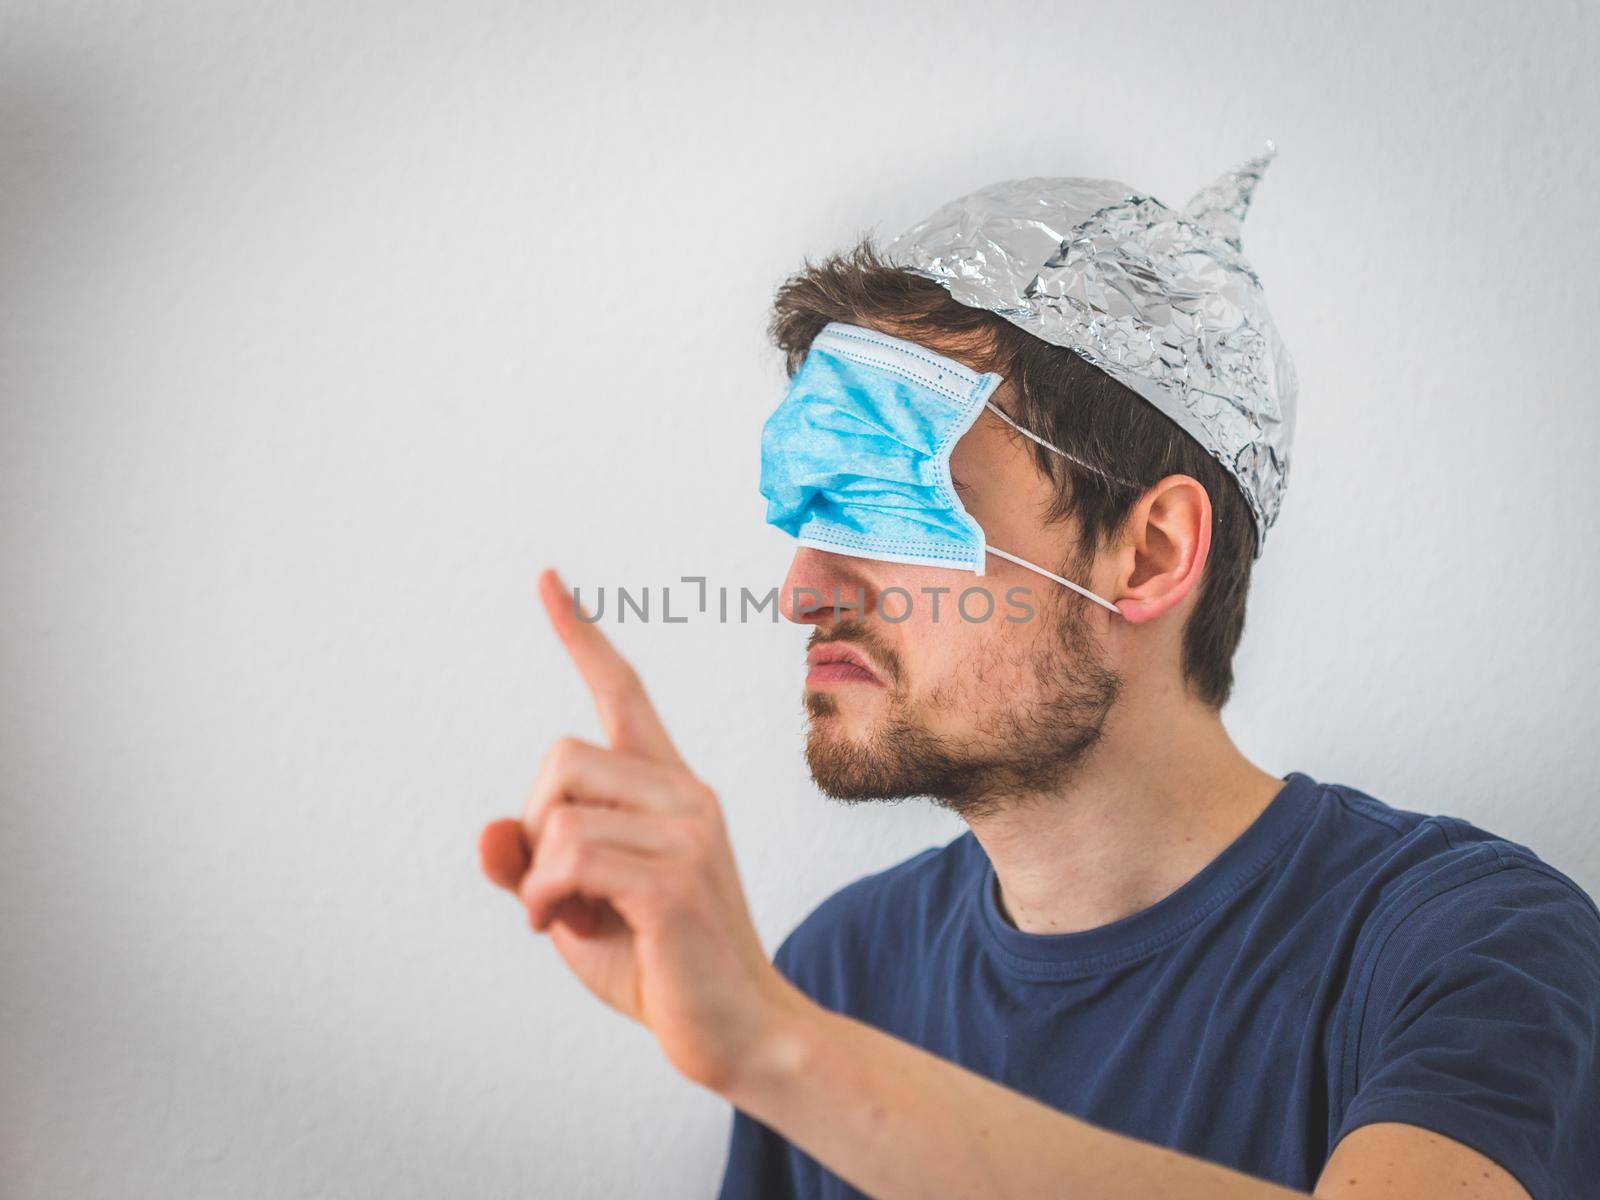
{"type": "Point", "coordinates": [1341, 963]}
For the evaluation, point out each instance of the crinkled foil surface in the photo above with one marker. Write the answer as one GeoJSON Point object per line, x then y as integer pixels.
{"type": "Point", "coordinates": [1161, 300]}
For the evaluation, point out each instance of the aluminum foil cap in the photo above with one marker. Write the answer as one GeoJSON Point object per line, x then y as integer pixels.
{"type": "Point", "coordinates": [1163, 301]}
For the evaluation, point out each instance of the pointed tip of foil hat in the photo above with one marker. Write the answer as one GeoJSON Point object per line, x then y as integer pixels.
{"type": "Point", "coordinates": [1221, 205]}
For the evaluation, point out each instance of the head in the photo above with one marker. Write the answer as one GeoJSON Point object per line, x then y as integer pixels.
{"type": "Point", "coordinates": [1006, 695]}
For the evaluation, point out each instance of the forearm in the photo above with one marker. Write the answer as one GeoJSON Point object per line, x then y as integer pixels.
{"type": "Point", "coordinates": [896, 1121]}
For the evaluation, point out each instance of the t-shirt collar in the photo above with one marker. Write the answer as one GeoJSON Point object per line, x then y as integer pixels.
{"type": "Point", "coordinates": [1061, 955]}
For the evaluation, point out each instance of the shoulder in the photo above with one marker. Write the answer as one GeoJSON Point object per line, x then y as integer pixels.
{"type": "Point", "coordinates": [1448, 870]}
{"type": "Point", "coordinates": [1487, 898]}
{"type": "Point", "coordinates": [882, 918]}
{"type": "Point", "coordinates": [1478, 1009]}
{"type": "Point", "coordinates": [1447, 900]}
{"type": "Point", "coordinates": [1426, 869]}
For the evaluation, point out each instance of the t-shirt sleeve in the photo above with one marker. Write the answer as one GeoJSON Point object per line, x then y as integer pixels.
{"type": "Point", "coordinates": [1480, 1023]}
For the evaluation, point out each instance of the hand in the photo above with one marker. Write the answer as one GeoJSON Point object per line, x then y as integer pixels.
{"type": "Point", "coordinates": [621, 855]}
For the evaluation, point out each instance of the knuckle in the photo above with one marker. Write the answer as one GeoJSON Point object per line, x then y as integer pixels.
{"type": "Point", "coordinates": [683, 837]}
{"type": "Point", "coordinates": [579, 859]}
{"type": "Point", "coordinates": [561, 824]}
{"type": "Point", "coordinates": [629, 723]}
{"type": "Point", "coordinates": [694, 790]}
{"type": "Point", "coordinates": [563, 752]}
{"type": "Point", "coordinates": [703, 797]}
{"type": "Point", "coordinates": [528, 889]}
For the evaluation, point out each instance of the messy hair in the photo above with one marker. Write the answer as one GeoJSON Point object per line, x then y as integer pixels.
{"type": "Point", "coordinates": [1066, 400]}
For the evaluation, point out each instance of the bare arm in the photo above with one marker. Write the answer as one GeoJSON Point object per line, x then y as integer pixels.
{"type": "Point", "coordinates": [898, 1122]}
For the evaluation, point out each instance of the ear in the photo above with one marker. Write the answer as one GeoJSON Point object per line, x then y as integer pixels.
{"type": "Point", "coordinates": [1166, 542]}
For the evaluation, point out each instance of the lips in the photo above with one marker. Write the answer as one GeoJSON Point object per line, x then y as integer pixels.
{"type": "Point", "coordinates": [835, 663]}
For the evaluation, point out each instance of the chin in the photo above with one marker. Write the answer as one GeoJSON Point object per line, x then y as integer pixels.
{"type": "Point", "coordinates": [850, 767]}
{"type": "Point", "coordinates": [834, 756]}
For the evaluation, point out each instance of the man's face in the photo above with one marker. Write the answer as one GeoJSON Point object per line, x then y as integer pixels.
{"type": "Point", "coordinates": [908, 697]}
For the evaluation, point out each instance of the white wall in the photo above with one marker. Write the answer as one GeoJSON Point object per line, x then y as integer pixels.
{"type": "Point", "coordinates": [325, 326]}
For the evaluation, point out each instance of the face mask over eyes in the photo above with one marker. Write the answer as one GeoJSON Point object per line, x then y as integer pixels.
{"type": "Point", "coordinates": [856, 458]}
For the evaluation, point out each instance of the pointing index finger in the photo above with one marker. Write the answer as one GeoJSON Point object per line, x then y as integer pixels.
{"type": "Point", "coordinates": [626, 714]}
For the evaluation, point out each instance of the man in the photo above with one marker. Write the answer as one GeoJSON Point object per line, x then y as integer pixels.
{"type": "Point", "coordinates": [1149, 968]}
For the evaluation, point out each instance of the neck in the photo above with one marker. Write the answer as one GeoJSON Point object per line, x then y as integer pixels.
{"type": "Point", "coordinates": [1161, 795]}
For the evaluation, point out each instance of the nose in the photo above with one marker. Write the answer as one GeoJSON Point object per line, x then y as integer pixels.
{"type": "Point", "coordinates": [822, 588]}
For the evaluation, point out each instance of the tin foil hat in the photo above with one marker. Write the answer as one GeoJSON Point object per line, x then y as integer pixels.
{"type": "Point", "coordinates": [1163, 301]}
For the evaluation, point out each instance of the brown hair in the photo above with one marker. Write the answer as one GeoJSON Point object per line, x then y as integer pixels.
{"type": "Point", "coordinates": [1066, 400]}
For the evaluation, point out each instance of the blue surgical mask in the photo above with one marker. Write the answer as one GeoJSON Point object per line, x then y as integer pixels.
{"type": "Point", "coordinates": [856, 458]}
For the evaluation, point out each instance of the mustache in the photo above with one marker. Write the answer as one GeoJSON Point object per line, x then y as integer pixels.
{"type": "Point", "coordinates": [855, 633]}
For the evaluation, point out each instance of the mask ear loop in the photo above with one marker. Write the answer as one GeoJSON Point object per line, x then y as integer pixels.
{"type": "Point", "coordinates": [1022, 562]}
{"type": "Point", "coordinates": [1082, 591]}
{"type": "Point", "coordinates": [1054, 449]}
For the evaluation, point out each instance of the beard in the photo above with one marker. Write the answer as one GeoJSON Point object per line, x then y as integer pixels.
{"type": "Point", "coordinates": [1015, 750]}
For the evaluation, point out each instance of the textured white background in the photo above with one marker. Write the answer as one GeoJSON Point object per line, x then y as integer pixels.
{"type": "Point", "coordinates": [325, 326]}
